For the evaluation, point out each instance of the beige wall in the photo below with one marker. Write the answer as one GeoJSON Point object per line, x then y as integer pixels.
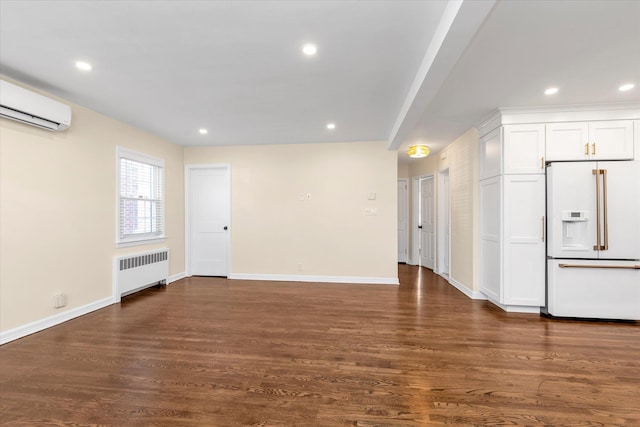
{"type": "Point", "coordinates": [272, 232]}
{"type": "Point", "coordinates": [58, 212]}
{"type": "Point", "coordinates": [403, 170]}
{"type": "Point", "coordinates": [462, 159]}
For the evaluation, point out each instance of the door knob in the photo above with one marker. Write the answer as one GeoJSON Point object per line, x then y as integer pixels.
{"type": "Point", "coordinates": [225, 227]}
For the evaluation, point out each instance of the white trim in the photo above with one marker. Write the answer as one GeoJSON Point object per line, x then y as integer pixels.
{"type": "Point", "coordinates": [561, 113]}
{"type": "Point", "coordinates": [316, 279]}
{"type": "Point", "coordinates": [56, 319]}
{"type": "Point", "coordinates": [176, 277]}
{"type": "Point", "coordinates": [140, 242]}
{"type": "Point", "coordinates": [440, 193]}
{"type": "Point", "coordinates": [148, 238]}
{"type": "Point", "coordinates": [465, 290]}
{"type": "Point", "coordinates": [187, 213]}
{"type": "Point", "coordinates": [406, 220]}
{"type": "Point", "coordinates": [515, 308]}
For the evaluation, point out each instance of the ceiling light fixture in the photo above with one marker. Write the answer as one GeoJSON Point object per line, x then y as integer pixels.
{"type": "Point", "coordinates": [309, 49]}
{"type": "Point", "coordinates": [418, 151]}
{"type": "Point", "coordinates": [203, 131]}
{"type": "Point", "coordinates": [331, 126]}
{"type": "Point", "coordinates": [625, 87]}
{"type": "Point", "coordinates": [551, 91]}
{"type": "Point", "coordinates": [84, 66]}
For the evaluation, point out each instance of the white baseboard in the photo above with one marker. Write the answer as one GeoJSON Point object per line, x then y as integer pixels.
{"type": "Point", "coordinates": [468, 292]}
{"type": "Point", "coordinates": [516, 308]}
{"type": "Point", "coordinates": [56, 319]}
{"type": "Point", "coordinates": [176, 277]}
{"type": "Point", "coordinates": [317, 279]}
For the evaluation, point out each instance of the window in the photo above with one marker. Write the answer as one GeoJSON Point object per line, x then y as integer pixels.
{"type": "Point", "coordinates": [140, 198]}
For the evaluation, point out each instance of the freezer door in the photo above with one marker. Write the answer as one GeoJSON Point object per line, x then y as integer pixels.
{"type": "Point", "coordinates": [571, 210]}
{"type": "Point", "coordinates": [594, 289]}
{"type": "Point", "coordinates": [620, 210]}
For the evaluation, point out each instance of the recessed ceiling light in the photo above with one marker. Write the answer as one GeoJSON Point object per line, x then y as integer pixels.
{"type": "Point", "coordinates": [84, 66]}
{"type": "Point", "coordinates": [309, 49]}
{"type": "Point", "coordinates": [625, 87]}
{"type": "Point", "coordinates": [551, 91]}
{"type": "Point", "coordinates": [203, 131]}
{"type": "Point", "coordinates": [331, 126]}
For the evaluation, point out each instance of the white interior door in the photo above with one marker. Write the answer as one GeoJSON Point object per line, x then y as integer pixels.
{"type": "Point", "coordinates": [443, 223]}
{"type": "Point", "coordinates": [208, 215]}
{"type": "Point", "coordinates": [427, 223]}
{"type": "Point", "coordinates": [403, 220]}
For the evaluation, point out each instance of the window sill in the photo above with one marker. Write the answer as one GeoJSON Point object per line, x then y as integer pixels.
{"type": "Point", "coordinates": [129, 243]}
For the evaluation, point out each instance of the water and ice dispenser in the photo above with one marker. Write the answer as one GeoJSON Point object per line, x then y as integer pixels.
{"type": "Point", "coordinates": [574, 230]}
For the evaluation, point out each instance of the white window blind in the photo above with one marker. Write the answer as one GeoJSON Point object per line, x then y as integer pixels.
{"type": "Point", "coordinates": [140, 197]}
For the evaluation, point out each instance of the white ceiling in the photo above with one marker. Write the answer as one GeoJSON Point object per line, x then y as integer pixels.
{"type": "Point", "coordinates": [401, 71]}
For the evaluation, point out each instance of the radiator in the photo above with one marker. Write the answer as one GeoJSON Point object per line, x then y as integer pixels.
{"type": "Point", "coordinates": [135, 272]}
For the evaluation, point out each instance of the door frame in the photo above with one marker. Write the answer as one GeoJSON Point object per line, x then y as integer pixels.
{"type": "Point", "coordinates": [415, 218]}
{"type": "Point", "coordinates": [440, 233]}
{"type": "Point", "coordinates": [406, 219]}
{"type": "Point", "coordinates": [187, 212]}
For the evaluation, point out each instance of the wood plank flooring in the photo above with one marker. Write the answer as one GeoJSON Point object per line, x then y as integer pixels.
{"type": "Point", "coordinates": [213, 352]}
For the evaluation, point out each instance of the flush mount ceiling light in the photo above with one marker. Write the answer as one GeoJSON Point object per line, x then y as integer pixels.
{"type": "Point", "coordinates": [309, 49]}
{"type": "Point", "coordinates": [331, 126]}
{"type": "Point", "coordinates": [418, 151]}
{"type": "Point", "coordinates": [625, 87]}
{"type": "Point", "coordinates": [551, 91]}
{"type": "Point", "coordinates": [84, 66]}
{"type": "Point", "coordinates": [203, 131]}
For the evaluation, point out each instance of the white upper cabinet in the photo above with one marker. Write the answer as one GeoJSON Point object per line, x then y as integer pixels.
{"type": "Point", "coordinates": [512, 149]}
{"type": "Point", "coordinates": [611, 140]}
{"type": "Point", "coordinates": [602, 140]}
{"type": "Point", "coordinates": [524, 149]}
{"type": "Point", "coordinates": [567, 141]}
{"type": "Point", "coordinates": [491, 154]}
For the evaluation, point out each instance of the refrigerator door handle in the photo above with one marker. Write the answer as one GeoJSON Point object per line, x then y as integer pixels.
{"type": "Point", "coordinates": [542, 220]}
{"type": "Point", "coordinates": [596, 172]}
{"type": "Point", "coordinates": [626, 267]}
{"type": "Point", "coordinates": [605, 247]}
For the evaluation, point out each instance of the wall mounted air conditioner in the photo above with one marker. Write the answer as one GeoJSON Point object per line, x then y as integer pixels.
{"type": "Point", "coordinates": [27, 107]}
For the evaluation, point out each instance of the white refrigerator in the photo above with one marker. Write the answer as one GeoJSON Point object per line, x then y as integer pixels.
{"type": "Point", "coordinates": [593, 239]}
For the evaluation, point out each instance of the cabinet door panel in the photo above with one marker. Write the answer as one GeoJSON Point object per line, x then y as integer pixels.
{"type": "Point", "coordinates": [491, 154]}
{"type": "Point", "coordinates": [567, 141]}
{"type": "Point", "coordinates": [490, 219]}
{"type": "Point", "coordinates": [524, 234]}
{"type": "Point", "coordinates": [613, 140]}
{"type": "Point", "coordinates": [524, 149]}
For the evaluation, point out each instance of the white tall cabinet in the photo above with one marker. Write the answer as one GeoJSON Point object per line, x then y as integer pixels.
{"type": "Point", "coordinates": [514, 146]}
{"type": "Point", "coordinates": [512, 212]}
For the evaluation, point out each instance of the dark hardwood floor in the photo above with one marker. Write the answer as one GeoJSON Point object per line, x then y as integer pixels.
{"type": "Point", "coordinates": [213, 352]}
